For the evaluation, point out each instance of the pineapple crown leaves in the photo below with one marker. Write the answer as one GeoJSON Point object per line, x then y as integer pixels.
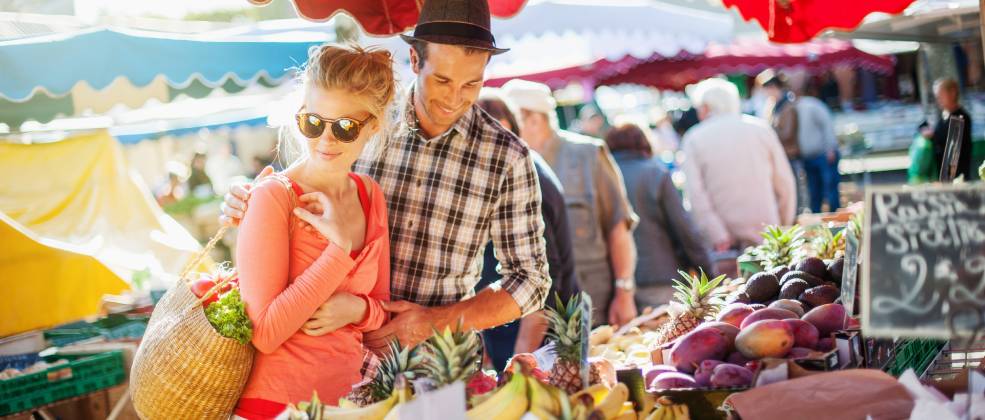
{"type": "Point", "coordinates": [780, 246]}
{"type": "Point", "coordinates": [699, 292]}
{"type": "Point", "coordinates": [452, 355]}
{"type": "Point", "coordinates": [400, 361]}
{"type": "Point", "coordinates": [826, 244]}
{"type": "Point", "coordinates": [565, 322]}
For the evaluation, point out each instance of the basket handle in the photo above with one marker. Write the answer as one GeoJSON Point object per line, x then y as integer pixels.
{"type": "Point", "coordinates": [215, 240]}
{"type": "Point", "coordinates": [197, 260]}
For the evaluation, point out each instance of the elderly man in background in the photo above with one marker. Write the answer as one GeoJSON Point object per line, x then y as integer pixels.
{"type": "Point", "coordinates": [738, 178]}
{"type": "Point", "coordinates": [599, 212]}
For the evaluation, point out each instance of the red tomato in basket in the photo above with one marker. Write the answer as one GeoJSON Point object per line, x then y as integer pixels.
{"type": "Point", "coordinates": [201, 287]}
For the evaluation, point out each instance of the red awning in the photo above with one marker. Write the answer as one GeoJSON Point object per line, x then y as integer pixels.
{"type": "Point", "coordinates": [800, 20]}
{"type": "Point", "coordinates": [558, 79]}
{"type": "Point", "coordinates": [383, 17]}
{"type": "Point", "coordinates": [749, 57]}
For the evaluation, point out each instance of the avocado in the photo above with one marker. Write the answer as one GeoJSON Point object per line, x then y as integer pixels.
{"type": "Point", "coordinates": [762, 287]}
{"type": "Point", "coordinates": [813, 266]}
{"type": "Point", "coordinates": [793, 288]}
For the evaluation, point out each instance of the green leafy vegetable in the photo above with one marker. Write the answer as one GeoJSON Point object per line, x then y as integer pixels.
{"type": "Point", "coordinates": [228, 316]}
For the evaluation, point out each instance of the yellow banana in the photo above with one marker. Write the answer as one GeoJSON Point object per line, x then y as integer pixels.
{"type": "Point", "coordinates": [344, 403]}
{"type": "Point", "coordinates": [403, 395]}
{"type": "Point", "coordinates": [649, 403]}
{"type": "Point", "coordinates": [375, 411]}
{"type": "Point", "coordinates": [543, 400]}
{"type": "Point", "coordinates": [509, 402]}
{"type": "Point", "coordinates": [664, 412]}
{"type": "Point", "coordinates": [681, 412]}
{"type": "Point", "coordinates": [610, 406]}
{"type": "Point", "coordinates": [580, 411]}
{"type": "Point", "coordinates": [598, 392]}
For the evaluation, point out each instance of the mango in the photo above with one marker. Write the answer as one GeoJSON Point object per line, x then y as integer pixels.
{"type": "Point", "coordinates": [731, 331]}
{"type": "Point", "coordinates": [767, 313]}
{"type": "Point", "coordinates": [805, 334]}
{"type": "Point", "coordinates": [697, 346]}
{"type": "Point", "coordinates": [799, 353]}
{"type": "Point", "coordinates": [734, 314]}
{"type": "Point", "coordinates": [650, 373]}
{"type": "Point", "coordinates": [826, 344]}
{"type": "Point", "coordinates": [737, 358]}
{"type": "Point", "coordinates": [765, 338]}
{"type": "Point", "coordinates": [729, 375]}
{"type": "Point", "coordinates": [789, 304]}
{"type": "Point", "coordinates": [671, 380]}
{"type": "Point", "coordinates": [702, 376]}
{"type": "Point", "coordinates": [827, 318]}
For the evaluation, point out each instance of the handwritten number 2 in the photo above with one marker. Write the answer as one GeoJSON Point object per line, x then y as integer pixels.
{"type": "Point", "coordinates": [912, 264]}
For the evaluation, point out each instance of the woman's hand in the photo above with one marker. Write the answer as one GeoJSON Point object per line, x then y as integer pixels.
{"type": "Point", "coordinates": [341, 309]}
{"type": "Point", "coordinates": [319, 211]}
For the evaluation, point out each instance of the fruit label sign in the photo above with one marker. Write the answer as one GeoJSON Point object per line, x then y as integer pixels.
{"type": "Point", "coordinates": [849, 277]}
{"type": "Point", "coordinates": [924, 262]}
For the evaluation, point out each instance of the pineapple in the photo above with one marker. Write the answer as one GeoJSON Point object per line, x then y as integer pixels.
{"type": "Point", "coordinates": [827, 245]}
{"type": "Point", "coordinates": [701, 299]}
{"type": "Point", "coordinates": [780, 247]}
{"type": "Point", "coordinates": [399, 362]}
{"type": "Point", "coordinates": [452, 356]}
{"type": "Point", "coordinates": [565, 326]}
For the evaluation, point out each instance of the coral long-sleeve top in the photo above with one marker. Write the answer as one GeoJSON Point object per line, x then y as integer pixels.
{"type": "Point", "coordinates": [286, 271]}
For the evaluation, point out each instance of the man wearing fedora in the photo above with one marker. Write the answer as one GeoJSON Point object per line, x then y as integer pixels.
{"type": "Point", "coordinates": [454, 179]}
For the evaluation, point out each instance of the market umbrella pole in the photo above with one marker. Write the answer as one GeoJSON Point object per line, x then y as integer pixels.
{"type": "Point", "coordinates": [981, 26]}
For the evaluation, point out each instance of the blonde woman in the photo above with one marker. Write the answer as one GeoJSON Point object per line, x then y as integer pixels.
{"type": "Point", "coordinates": [314, 241]}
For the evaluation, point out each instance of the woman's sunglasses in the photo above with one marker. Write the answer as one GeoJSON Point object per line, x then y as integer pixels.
{"type": "Point", "coordinates": [345, 130]}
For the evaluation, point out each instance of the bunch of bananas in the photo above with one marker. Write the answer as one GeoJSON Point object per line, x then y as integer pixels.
{"type": "Point", "coordinates": [346, 410]}
{"type": "Point", "coordinates": [669, 411]}
{"type": "Point", "coordinates": [522, 394]}
{"type": "Point", "coordinates": [600, 402]}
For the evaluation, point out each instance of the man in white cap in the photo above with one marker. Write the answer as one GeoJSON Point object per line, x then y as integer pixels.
{"type": "Point", "coordinates": [599, 212]}
{"type": "Point", "coordinates": [738, 177]}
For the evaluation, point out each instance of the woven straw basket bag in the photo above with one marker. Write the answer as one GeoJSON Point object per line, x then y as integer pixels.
{"type": "Point", "coordinates": [184, 369]}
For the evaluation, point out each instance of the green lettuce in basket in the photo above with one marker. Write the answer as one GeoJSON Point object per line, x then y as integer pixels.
{"type": "Point", "coordinates": [228, 316]}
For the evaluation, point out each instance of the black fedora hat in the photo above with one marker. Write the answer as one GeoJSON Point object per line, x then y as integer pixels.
{"type": "Point", "coordinates": [455, 22]}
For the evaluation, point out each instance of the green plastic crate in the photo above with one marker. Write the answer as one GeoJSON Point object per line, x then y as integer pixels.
{"type": "Point", "coordinates": [112, 327]}
{"type": "Point", "coordinates": [915, 354]}
{"type": "Point", "coordinates": [82, 375]}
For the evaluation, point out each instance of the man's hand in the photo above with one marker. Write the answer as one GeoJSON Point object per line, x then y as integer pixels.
{"type": "Point", "coordinates": [411, 324]}
{"type": "Point", "coordinates": [622, 309]}
{"type": "Point", "coordinates": [531, 335]}
{"type": "Point", "coordinates": [927, 132]}
{"type": "Point", "coordinates": [338, 311]}
{"type": "Point", "coordinates": [832, 156]}
{"type": "Point", "coordinates": [234, 205]}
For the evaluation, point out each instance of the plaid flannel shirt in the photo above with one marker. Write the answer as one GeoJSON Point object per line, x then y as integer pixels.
{"type": "Point", "coordinates": [447, 197]}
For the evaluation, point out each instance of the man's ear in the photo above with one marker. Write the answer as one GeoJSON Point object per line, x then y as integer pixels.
{"type": "Point", "coordinates": [415, 61]}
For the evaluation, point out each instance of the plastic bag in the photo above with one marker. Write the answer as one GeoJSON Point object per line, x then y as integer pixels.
{"type": "Point", "coordinates": [923, 168]}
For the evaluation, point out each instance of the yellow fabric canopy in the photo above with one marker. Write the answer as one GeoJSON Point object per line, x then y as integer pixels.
{"type": "Point", "coordinates": [75, 223]}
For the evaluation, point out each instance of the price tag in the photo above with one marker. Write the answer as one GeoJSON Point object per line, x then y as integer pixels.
{"type": "Point", "coordinates": [849, 274]}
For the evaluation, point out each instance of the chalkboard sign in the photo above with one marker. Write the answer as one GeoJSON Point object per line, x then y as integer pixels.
{"type": "Point", "coordinates": [923, 269]}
